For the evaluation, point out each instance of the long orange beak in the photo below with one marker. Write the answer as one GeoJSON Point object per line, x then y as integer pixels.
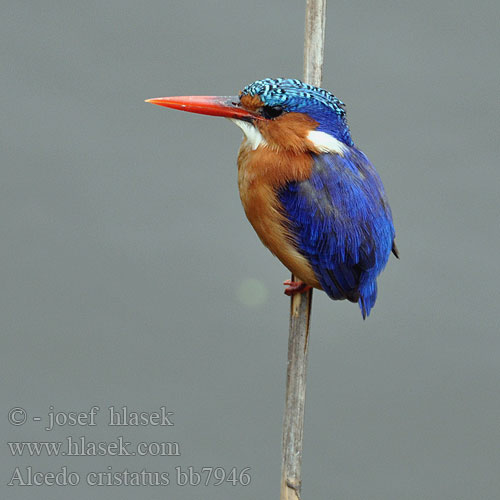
{"type": "Point", "coordinates": [228, 107]}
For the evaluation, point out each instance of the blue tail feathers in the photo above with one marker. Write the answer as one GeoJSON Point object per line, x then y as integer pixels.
{"type": "Point", "coordinates": [367, 298]}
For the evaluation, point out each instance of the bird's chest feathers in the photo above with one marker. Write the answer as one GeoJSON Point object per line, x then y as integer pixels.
{"type": "Point", "coordinates": [261, 173]}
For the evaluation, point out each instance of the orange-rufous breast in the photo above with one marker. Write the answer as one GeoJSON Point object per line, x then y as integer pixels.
{"type": "Point", "coordinates": [261, 172]}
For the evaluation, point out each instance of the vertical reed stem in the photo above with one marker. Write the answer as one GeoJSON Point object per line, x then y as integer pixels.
{"type": "Point", "coordinates": [300, 307]}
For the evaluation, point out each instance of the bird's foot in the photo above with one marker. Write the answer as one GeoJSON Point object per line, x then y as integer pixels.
{"type": "Point", "coordinates": [295, 287]}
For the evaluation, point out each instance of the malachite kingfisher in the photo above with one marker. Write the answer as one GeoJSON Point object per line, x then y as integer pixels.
{"type": "Point", "coordinates": [312, 196]}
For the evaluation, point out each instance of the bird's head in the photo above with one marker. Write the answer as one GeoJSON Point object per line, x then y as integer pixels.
{"type": "Point", "coordinates": [277, 113]}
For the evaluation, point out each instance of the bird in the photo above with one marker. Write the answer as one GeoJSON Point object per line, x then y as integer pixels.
{"type": "Point", "coordinates": [312, 196]}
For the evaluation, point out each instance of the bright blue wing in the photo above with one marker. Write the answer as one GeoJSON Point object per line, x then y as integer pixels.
{"type": "Point", "coordinates": [342, 223]}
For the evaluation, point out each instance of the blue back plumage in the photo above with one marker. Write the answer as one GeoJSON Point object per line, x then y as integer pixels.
{"type": "Point", "coordinates": [296, 96]}
{"type": "Point", "coordinates": [342, 224]}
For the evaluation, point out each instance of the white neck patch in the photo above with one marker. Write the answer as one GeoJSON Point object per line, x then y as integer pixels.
{"type": "Point", "coordinates": [326, 143]}
{"type": "Point", "coordinates": [252, 134]}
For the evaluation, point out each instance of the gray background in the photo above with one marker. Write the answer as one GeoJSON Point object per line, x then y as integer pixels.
{"type": "Point", "coordinates": [129, 274]}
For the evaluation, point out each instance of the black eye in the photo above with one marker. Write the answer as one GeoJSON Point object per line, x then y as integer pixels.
{"type": "Point", "coordinates": [271, 112]}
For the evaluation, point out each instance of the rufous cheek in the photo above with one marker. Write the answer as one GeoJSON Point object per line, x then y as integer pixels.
{"type": "Point", "coordinates": [288, 132]}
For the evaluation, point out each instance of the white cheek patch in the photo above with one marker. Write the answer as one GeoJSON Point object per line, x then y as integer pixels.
{"type": "Point", "coordinates": [252, 135]}
{"type": "Point", "coordinates": [326, 143]}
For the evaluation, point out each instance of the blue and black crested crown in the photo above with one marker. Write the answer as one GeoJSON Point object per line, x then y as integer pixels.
{"type": "Point", "coordinates": [296, 96]}
{"type": "Point", "coordinates": [292, 93]}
